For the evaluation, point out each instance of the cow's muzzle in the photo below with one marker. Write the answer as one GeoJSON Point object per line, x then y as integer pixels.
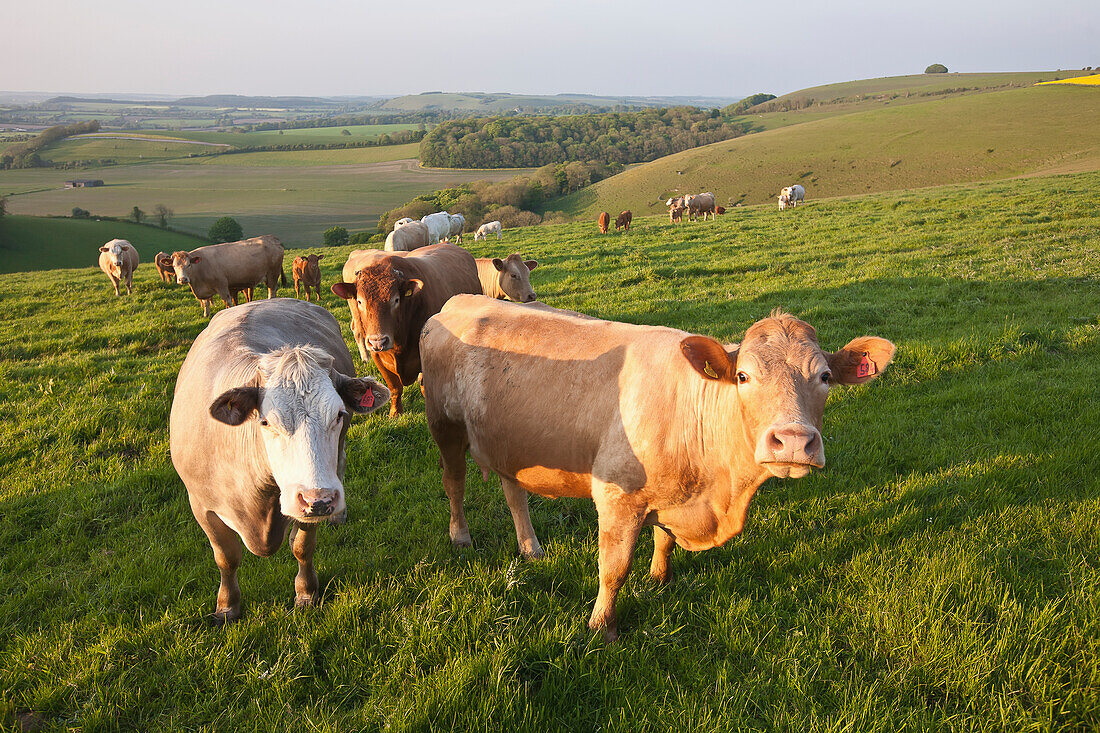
{"type": "Point", "coordinates": [182, 280]}
{"type": "Point", "coordinates": [316, 503]}
{"type": "Point", "coordinates": [531, 298]}
{"type": "Point", "coordinates": [791, 450]}
{"type": "Point", "coordinates": [379, 342]}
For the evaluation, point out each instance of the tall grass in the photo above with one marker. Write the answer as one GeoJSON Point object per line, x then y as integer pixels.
{"type": "Point", "coordinates": [943, 573]}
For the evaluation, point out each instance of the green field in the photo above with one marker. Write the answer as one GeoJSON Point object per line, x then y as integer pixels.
{"type": "Point", "coordinates": [314, 135]}
{"type": "Point", "coordinates": [972, 137]}
{"type": "Point", "coordinates": [34, 243]}
{"type": "Point", "coordinates": [942, 574]}
{"type": "Point", "coordinates": [293, 195]}
{"type": "Point", "coordinates": [79, 149]}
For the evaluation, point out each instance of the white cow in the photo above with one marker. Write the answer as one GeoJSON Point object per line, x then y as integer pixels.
{"type": "Point", "coordinates": [485, 230]}
{"type": "Point", "coordinates": [439, 226]}
{"type": "Point", "coordinates": [118, 259]}
{"type": "Point", "coordinates": [791, 196]}
{"type": "Point", "coordinates": [402, 222]}
{"type": "Point", "coordinates": [458, 223]}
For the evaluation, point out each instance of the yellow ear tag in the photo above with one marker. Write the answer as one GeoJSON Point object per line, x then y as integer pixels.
{"type": "Point", "coordinates": [709, 371]}
{"type": "Point", "coordinates": [408, 293]}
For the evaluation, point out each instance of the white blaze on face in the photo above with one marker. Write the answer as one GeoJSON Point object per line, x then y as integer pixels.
{"type": "Point", "coordinates": [302, 419]}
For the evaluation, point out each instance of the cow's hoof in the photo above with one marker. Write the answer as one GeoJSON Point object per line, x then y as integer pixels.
{"type": "Point", "coordinates": [661, 577]}
{"type": "Point", "coordinates": [462, 541]}
{"type": "Point", "coordinates": [533, 553]}
{"type": "Point", "coordinates": [305, 601]}
{"type": "Point", "coordinates": [224, 616]}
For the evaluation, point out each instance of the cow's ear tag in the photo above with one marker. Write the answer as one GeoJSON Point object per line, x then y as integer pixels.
{"type": "Point", "coordinates": [866, 367]}
{"type": "Point", "coordinates": [709, 370]}
{"type": "Point", "coordinates": [367, 400]}
{"type": "Point", "coordinates": [408, 293]}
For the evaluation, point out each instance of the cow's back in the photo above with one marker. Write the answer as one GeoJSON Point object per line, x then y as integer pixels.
{"type": "Point", "coordinates": [446, 270]}
{"type": "Point", "coordinates": [241, 263]}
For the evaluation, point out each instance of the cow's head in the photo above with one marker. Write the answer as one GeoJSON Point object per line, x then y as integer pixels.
{"type": "Point", "coordinates": [184, 264]}
{"type": "Point", "coordinates": [115, 250]}
{"type": "Point", "coordinates": [515, 277]}
{"type": "Point", "coordinates": [311, 264]}
{"type": "Point", "coordinates": [302, 406]}
{"type": "Point", "coordinates": [382, 297]}
{"type": "Point", "coordinates": [782, 378]}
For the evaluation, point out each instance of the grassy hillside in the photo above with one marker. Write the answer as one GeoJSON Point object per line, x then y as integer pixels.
{"type": "Point", "coordinates": [966, 138]}
{"type": "Point", "coordinates": [33, 243]}
{"type": "Point", "coordinates": [480, 104]}
{"type": "Point", "coordinates": [293, 195]}
{"type": "Point", "coordinates": [943, 573]}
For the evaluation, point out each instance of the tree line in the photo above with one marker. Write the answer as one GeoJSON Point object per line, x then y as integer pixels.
{"type": "Point", "coordinates": [25, 154]}
{"type": "Point", "coordinates": [528, 142]}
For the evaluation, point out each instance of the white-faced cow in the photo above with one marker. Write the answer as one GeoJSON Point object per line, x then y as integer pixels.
{"type": "Point", "coordinates": [392, 294]}
{"type": "Point", "coordinates": [791, 196]}
{"type": "Point", "coordinates": [402, 222]}
{"type": "Point", "coordinates": [507, 279]}
{"type": "Point", "coordinates": [118, 259]}
{"type": "Point", "coordinates": [226, 269]}
{"type": "Point", "coordinates": [260, 411]}
{"type": "Point", "coordinates": [485, 230]}
{"type": "Point", "coordinates": [657, 426]}
{"type": "Point", "coordinates": [439, 226]}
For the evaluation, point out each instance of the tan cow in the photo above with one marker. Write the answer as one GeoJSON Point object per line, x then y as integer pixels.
{"type": "Point", "coordinates": [604, 222]}
{"type": "Point", "coordinates": [657, 426]}
{"type": "Point", "coordinates": [226, 269]}
{"type": "Point", "coordinates": [307, 273]}
{"type": "Point", "coordinates": [163, 263]}
{"type": "Point", "coordinates": [259, 414]}
{"type": "Point", "coordinates": [507, 279]}
{"type": "Point", "coordinates": [118, 259]}
{"type": "Point", "coordinates": [407, 237]}
{"type": "Point", "coordinates": [392, 294]}
{"type": "Point", "coordinates": [701, 203]}
{"type": "Point", "coordinates": [623, 221]}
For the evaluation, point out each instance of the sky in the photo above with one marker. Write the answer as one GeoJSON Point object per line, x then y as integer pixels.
{"type": "Point", "coordinates": [361, 47]}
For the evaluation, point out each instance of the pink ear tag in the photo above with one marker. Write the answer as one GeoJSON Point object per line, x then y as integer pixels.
{"type": "Point", "coordinates": [367, 400]}
{"type": "Point", "coordinates": [866, 367]}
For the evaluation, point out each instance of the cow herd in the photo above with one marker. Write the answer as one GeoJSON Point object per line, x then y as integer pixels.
{"type": "Point", "coordinates": [658, 427]}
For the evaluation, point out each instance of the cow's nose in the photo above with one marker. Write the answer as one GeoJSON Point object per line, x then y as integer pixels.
{"type": "Point", "coordinates": [181, 280]}
{"type": "Point", "coordinates": [792, 443]}
{"type": "Point", "coordinates": [532, 298]}
{"type": "Point", "coordinates": [379, 343]}
{"type": "Point", "coordinates": [315, 506]}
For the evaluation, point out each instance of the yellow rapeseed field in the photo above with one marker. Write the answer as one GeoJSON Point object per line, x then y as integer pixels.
{"type": "Point", "coordinates": [1093, 79]}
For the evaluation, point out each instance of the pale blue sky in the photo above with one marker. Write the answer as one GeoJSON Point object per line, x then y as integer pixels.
{"type": "Point", "coordinates": [335, 47]}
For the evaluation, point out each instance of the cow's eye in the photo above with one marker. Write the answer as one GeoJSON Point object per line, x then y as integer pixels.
{"type": "Point", "coordinates": [742, 378]}
{"type": "Point", "coordinates": [340, 417]}
{"type": "Point", "coordinates": [826, 377]}
{"type": "Point", "coordinates": [264, 422]}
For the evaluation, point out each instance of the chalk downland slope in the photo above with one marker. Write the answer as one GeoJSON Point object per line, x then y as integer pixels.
{"type": "Point", "coordinates": [966, 138]}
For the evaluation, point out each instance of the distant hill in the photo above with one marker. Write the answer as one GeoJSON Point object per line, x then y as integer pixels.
{"type": "Point", "coordinates": [238, 101]}
{"type": "Point", "coordinates": [483, 104]}
{"type": "Point", "coordinates": [940, 140]}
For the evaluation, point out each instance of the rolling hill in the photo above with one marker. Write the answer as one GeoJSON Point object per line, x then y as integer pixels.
{"type": "Point", "coordinates": [944, 139]}
{"type": "Point", "coordinates": [482, 104]}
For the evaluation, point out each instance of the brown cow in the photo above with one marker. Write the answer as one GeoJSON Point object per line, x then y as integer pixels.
{"type": "Point", "coordinates": [676, 215]}
{"type": "Point", "coordinates": [657, 426]}
{"type": "Point", "coordinates": [701, 203]}
{"type": "Point", "coordinates": [226, 269]}
{"type": "Point", "coordinates": [604, 221]}
{"type": "Point", "coordinates": [118, 259]}
{"type": "Point", "coordinates": [259, 414]}
{"type": "Point", "coordinates": [392, 294]}
{"type": "Point", "coordinates": [720, 210]}
{"type": "Point", "coordinates": [163, 263]}
{"type": "Point", "coordinates": [307, 272]}
{"type": "Point", "coordinates": [507, 279]}
{"type": "Point", "coordinates": [624, 221]}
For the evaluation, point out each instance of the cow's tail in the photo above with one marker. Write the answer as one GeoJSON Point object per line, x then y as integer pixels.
{"type": "Point", "coordinates": [282, 275]}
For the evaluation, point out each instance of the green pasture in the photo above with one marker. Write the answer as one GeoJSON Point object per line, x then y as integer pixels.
{"type": "Point", "coordinates": [941, 574]}
{"type": "Point", "coordinates": [293, 195]}
{"type": "Point", "coordinates": [36, 243]}
{"type": "Point", "coordinates": [314, 135]}
{"type": "Point", "coordinates": [79, 149]}
{"type": "Point", "coordinates": [975, 137]}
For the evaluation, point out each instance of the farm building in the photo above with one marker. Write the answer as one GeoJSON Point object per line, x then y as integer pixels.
{"type": "Point", "coordinates": [83, 183]}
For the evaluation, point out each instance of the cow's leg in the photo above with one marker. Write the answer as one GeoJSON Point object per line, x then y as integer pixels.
{"type": "Point", "coordinates": [303, 541]}
{"type": "Point", "coordinates": [114, 284]}
{"type": "Point", "coordinates": [227, 556]}
{"type": "Point", "coordinates": [223, 293]}
{"type": "Point", "coordinates": [521, 517]}
{"type": "Point", "coordinates": [130, 283]}
{"type": "Point", "coordinates": [393, 383]}
{"type": "Point", "coordinates": [452, 458]}
{"type": "Point", "coordinates": [663, 542]}
{"type": "Point", "coordinates": [205, 306]}
{"type": "Point", "coordinates": [619, 524]}
{"type": "Point", "coordinates": [297, 292]}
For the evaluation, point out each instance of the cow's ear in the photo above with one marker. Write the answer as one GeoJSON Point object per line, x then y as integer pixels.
{"type": "Point", "coordinates": [124, 248]}
{"type": "Point", "coordinates": [531, 264]}
{"type": "Point", "coordinates": [195, 258]}
{"type": "Point", "coordinates": [236, 405]}
{"type": "Point", "coordinates": [102, 249]}
{"type": "Point", "coordinates": [344, 290]}
{"type": "Point", "coordinates": [412, 287]}
{"type": "Point", "coordinates": [709, 358]}
{"type": "Point", "coordinates": [499, 264]}
{"type": "Point", "coordinates": [360, 394]}
{"type": "Point", "coordinates": [320, 257]}
{"type": "Point", "coordinates": [861, 360]}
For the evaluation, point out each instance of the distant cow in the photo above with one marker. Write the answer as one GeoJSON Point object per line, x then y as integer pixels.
{"type": "Point", "coordinates": [260, 411]}
{"type": "Point", "coordinates": [118, 259]}
{"type": "Point", "coordinates": [701, 204]}
{"type": "Point", "coordinates": [657, 426]}
{"type": "Point", "coordinates": [485, 230]}
{"type": "Point", "coordinates": [226, 269]}
{"type": "Point", "coordinates": [439, 226]}
{"type": "Point", "coordinates": [720, 210]}
{"type": "Point", "coordinates": [791, 196]}
{"type": "Point", "coordinates": [163, 263]}
{"type": "Point", "coordinates": [458, 223]}
{"type": "Point", "coordinates": [507, 279]}
{"type": "Point", "coordinates": [604, 221]}
{"type": "Point", "coordinates": [402, 222]}
{"type": "Point", "coordinates": [676, 201]}
{"type": "Point", "coordinates": [676, 214]}
{"type": "Point", "coordinates": [392, 294]}
{"type": "Point", "coordinates": [413, 235]}
{"type": "Point", "coordinates": [307, 273]}
{"type": "Point", "coordinates": [623, 222]}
